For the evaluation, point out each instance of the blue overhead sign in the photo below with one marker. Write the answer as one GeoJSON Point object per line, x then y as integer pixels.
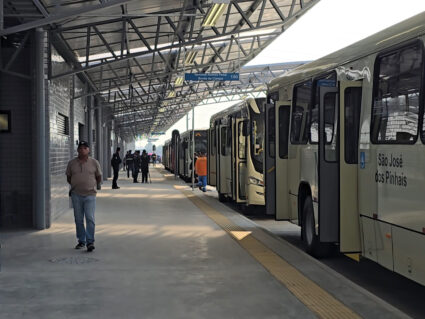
{"type": "Point", "coordinates": [211, 76]}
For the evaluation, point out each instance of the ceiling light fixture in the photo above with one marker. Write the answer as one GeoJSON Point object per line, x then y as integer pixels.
{"type": "Point", "coordinates": [172, 94]}
{"type": "Point", "coordinates": [179, 81]}
{"type": "Point", "coordinates": [214, 14]}
{"type": "Point", "coordinates": [190, 57]}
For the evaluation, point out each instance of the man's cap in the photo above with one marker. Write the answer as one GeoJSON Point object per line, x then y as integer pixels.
{"type": "Point", "coordinates": [83, 143]}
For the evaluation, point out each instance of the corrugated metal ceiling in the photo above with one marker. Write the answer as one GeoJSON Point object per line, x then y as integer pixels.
{"type": "Point", "coordinates": [132, 52]}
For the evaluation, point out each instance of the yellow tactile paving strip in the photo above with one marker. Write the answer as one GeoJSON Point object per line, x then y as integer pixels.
{"type": "Point", "coordinates": [313, 296]}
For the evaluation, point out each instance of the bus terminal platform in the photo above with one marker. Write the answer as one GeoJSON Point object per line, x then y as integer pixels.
{"type": "Point", "coordinates": [165, 251]}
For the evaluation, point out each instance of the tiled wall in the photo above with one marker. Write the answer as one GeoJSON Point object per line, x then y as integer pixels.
{"type": "Point", "coordinates": [60, 94]}
{"type": "Point", "coordinates": [16, 147]}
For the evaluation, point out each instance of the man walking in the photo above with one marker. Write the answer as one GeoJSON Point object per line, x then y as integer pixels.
{"type": "Point", "coordinates": [84, 174]}
{"type": "Point", "coordinates": [115, 163]}
{"type": "Point", "coordinates": [201, 170]}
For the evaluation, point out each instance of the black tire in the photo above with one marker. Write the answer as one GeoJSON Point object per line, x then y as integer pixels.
{"type": "Point", "coordinates": [312, 244]}
{"type": "Point", "coordinates": [221, 197]}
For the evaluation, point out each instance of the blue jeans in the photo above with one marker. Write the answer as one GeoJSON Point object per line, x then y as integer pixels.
{"type": "Point", "coordinates": [84, 206]}
{"type": "Point", "coordinates": [202, 182]}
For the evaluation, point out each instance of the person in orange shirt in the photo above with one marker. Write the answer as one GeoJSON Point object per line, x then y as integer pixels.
{"type": "Point", "coordinates": [201, 170]}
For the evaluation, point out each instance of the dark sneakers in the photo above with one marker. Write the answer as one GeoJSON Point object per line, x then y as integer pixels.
{"type": "Point", "coordinates": [90, 247]}
{"type": "Point", "coordinates": [80, 246]}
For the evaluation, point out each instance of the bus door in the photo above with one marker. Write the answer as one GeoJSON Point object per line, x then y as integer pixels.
{"type": "Point", "coordinates": [282, 149]}
{"type": "Point", "coordinates": [212, 156]}
{"type": "Point", "coordinates": [328, 165]}
{"type": "Point", "coordinates": [240, 160]}
{"type": "Point", "coordinates": [350, 106]}
{"type": "Point", "coordinates": [270, 159]}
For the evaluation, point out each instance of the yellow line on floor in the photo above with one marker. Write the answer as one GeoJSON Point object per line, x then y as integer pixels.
{"type": "Point", "coordinates": [313, 296]}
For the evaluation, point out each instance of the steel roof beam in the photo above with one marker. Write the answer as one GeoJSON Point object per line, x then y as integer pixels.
{"type": "Point", "coordinates": [61, 16]}
{"type": "Point", "coordinates": [153, 76]}
{"type": "Point", "coordinates": [173, 46]}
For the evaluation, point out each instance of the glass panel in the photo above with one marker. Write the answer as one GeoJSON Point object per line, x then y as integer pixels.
{"type": "Point", "coordinates": [241, 141]}
{"type": "Point", "coordinates": [300, 109]}
{"type": "Point", "coordinates": [229, 140]}
{"type": "Point", "coordinates": [396, 97]}
{"type": "Point", "coordinates": [352, 105]}
{"type": "Point", "coordinates": [330, 119]}
{"type": "Point", "coordinates": [223, 136]}
{"type": "Point", "coordinates": [329, 103]}
{"type": "Point", "coordinates": [283, 131]}
{"type": "Point", "coordinates": [201, 142]}
{"type": "Point", "coordinates": [257, 139]}
{"type": "Point", "coordinates": [328, 80]}
{"type": "Point", "coordinates": [272, 133]}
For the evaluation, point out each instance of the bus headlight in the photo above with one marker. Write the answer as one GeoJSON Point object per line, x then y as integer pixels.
{"type": "Point", "coordinates": [255, 181]}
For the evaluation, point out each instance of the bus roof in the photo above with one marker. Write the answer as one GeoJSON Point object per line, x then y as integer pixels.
{"type": "Point", "coordinates": [404, 31]}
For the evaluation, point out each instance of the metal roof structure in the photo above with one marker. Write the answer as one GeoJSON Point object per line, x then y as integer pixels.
{"type": "Point", "coordinates": [134, 54]}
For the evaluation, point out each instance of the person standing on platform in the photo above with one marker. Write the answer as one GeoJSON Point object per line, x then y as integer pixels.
{"type": "Point", "coordinates": [129, 158]}
{"type": "Point", "coordinates": [84, 175]}
{"type": "Point", "coordinates": [201, 171]}
{"type": "Point", "coordinates": [124, 166]}
{"type": "Point", "coordinates": [136, 164]}
{"type": "Point", "coordinates": [115, 163]}
{"type": "Point", "coordinates": [153, 159]}
{"type": "Point", "coordinates": [144, 159]}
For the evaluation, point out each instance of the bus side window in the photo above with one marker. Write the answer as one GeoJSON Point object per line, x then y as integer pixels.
{"type": "Point", "coordinates": [396, 99]}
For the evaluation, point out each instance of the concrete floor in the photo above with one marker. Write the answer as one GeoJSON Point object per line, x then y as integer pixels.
{"type": "Point", "coordinates": [157, 256]}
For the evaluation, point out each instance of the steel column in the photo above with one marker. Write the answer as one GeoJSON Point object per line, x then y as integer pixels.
{"type": "Point", "coordinates": [39, 185]}
{"type": "Point", "coordinates": [90, 123]}
{"type": "Point", "coordinates": [99, 136]}
{"type": "Point", "coordinates": [72, 119]}
{"type": "Point", "coordinates": [193, 146]}
{"type": "Point", "coordinates": [105, 147]}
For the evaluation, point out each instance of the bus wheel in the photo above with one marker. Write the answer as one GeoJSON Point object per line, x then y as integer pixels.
{"type": "Point", "coordinates": [313, 246]}
{"type": "Point", "coordinates": [221, 197]}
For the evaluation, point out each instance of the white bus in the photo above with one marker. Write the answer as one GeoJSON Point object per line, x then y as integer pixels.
{"type": "Point", "coordinates": [185, 151]}
{"type": "Point", "coordinates": [350, 155]}
{"type": "Point", "coordinates": [235, 156]}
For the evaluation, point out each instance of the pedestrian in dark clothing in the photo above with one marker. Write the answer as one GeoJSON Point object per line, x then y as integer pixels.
{"type": "Point", "coordinates": [115, 163]}
{"type": "Point", "coordinates": [129, 162]}
{"type": "Point", "coordinates": [124, 166]}
{"type": "Point", "coordinates": [144, 159]}
{"type": "Point", "coordinates": [136, 164]}
{"type": "Point", "coordinates": [153, 159]}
